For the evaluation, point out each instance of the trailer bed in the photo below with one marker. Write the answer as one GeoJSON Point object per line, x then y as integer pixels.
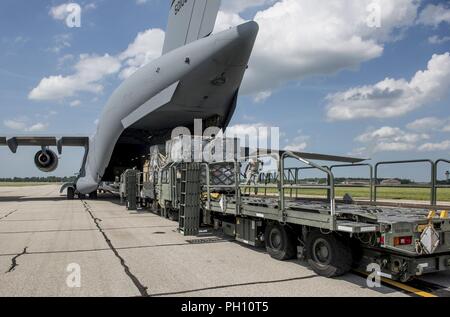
{"type": "Point", "coordinates": [384, 214]}
{"type": "Point", "coordinates": [354, 218]}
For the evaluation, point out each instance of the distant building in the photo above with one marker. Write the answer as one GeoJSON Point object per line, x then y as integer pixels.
{"type": "Point", "coordinates": [356, 182]}
{"type": "Point", "coordinates": [309, 183]}
{"type": "Point", "coordinates": [391, 182]}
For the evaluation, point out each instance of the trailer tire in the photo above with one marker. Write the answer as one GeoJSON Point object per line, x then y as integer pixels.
{"type": "Point", "coordinates": [280, 242]}
{"type": "Point", "coordinates": [70, 193]}
{"type": "Point", "coordinates": [172, 215]}
{"type": "Point", "coordinates": [328, 254]}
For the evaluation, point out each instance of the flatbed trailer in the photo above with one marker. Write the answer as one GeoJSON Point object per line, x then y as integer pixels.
{"type": "Point", "coordinates": [334, 236]}
{"type": "Point", "coordinates": [373, 244]}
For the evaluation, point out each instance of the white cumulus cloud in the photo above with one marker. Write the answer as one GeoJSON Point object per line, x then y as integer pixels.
{"type": "Point", "coordinates": [301, 38]}
{"type": "Point", "coordinates": [226, 20]}
{"type": "Point", "coordinates": [23, 125]}
{"type": "Point", "coordinates": [237, 6]}
{"type": "Point", "coordinates": [393, 97]}
{"type": "Point", "coordinates": [433, 15]}
{"type": "Point", "coordinates": [431, 147]}
{"type": "Point", "coordinates": [89, 71]}
{"type": "Point", "coordinates": [438, 40]}
{"type": "Point", "coordinates": [38, 127]}
{"type": "Point", "coordinates": [388, 139]}
{"type": "Point", "coordinates": [146, 47]}
{"type": "Point", "coordinates": [429, 124]}
{"type": "Point", "coordinates": [297, 39]}
{"type": "Point", "coordinates": [75, 103]}
{"type": "Point", "coordinates": [15, 125]}
{"type": "Point", "coordinates": [59, 12]}
{"type": "Point", "coordinates": [299, 143]}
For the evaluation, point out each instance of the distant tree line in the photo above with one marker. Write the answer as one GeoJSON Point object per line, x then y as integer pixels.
{"type": "Point", "coordinates": [49, 179]}
{"type": "Point", "coordinates": [340, 180]}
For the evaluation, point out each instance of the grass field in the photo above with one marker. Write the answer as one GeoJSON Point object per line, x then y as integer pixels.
{"type": "Point", "coordinates": [416, 194]}
{"type": "Point", "coordinates": [23, 184]}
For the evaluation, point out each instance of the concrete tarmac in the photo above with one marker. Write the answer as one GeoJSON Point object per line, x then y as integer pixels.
{"type": "Point", "coordinates": [45, 239]}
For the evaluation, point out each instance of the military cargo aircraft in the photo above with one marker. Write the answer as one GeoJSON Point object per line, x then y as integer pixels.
{"type": "Point", "coordinates": [198, 76]}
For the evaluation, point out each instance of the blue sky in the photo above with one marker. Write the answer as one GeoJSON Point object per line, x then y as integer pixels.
{"type": "Point", "coordinates": [319, 72]}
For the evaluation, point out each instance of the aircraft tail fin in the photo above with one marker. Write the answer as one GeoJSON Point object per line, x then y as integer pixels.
{"type": "Point", "coordinates": [190, 20]}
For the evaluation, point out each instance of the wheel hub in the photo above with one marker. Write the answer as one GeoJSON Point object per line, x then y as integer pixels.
{"type": "Point", "coordinates": [275, 240]}
{"type": "Point", "coordinates": [321, 252]}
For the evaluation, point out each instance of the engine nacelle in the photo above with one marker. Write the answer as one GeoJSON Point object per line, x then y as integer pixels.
{"type": "Point", "coordinates": [46, 161]}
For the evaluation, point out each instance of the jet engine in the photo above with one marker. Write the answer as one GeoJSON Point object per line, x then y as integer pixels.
{"type": "Point", "coordinates": [46, 161]}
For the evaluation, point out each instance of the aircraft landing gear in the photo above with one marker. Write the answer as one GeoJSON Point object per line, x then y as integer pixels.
{"type": "Point", "coordinates": [70, 193]}
{"type": "Point", "coordinates": [93, 195]}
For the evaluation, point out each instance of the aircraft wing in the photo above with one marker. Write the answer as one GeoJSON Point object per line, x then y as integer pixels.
{"type": "Point", "coordinates": [14, 142]}
{"type": "Point", "coordinates": [327, 157]}
{"type": "Point", "coordinates": [313, 156]}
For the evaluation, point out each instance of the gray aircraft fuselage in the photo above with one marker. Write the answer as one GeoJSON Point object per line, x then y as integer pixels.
{"type": "Point", "coordinates": [198, 80]}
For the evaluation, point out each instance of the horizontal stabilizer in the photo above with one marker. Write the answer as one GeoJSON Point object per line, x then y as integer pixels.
{"type": "Point", "coordinates": [190, 20]}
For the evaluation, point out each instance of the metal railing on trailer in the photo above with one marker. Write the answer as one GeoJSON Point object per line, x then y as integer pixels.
{"type": "Point", "coordinates": [375, 182]}
{"type": "Point", "coordinates": [437, 185]}
{"type": "Point", "coordinates": [430, 186]}
{"type": "Point", "coordinates": [291, 179]}
{"type": "Point", "coordinates": [369, 186]}
{"type": "Point", "coordinates": [293, 173]}
{"type": "Point", "coordinates": [280, 186]}
{"type": "Point", "coordinates": [284, 184]}
{"type": "Point", "coordinates": [330, 187]}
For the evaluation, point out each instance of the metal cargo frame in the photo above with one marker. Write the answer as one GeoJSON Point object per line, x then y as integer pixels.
{"type": "Point", "coordinates": [280, 210]}
{"type": "Point", "coordinates": [278, 207]}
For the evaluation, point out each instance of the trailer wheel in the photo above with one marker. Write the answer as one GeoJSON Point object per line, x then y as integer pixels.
{"type": "Point", "coordinates": [172, 215]}
{"type": "Point", "coordinates": [280, 242]}
{"type": "Point", "coordinates": [328, 255]}
{"type": "Point", "coordinates": [70, 193]}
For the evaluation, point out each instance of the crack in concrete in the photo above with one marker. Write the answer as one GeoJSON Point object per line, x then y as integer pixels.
{"type": "Point", "coordinates": [143, 290]}
{"type": "Point", "coordinates": [168, 245]}
{"type": "Point", "coordinates": [7, 215]}
{"type": "Point", "coordinates": [236, 285]}
{"type": "Point", "coordinates": [80, 230]}
{"type": "Point", "coordinates": [14, 261]}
